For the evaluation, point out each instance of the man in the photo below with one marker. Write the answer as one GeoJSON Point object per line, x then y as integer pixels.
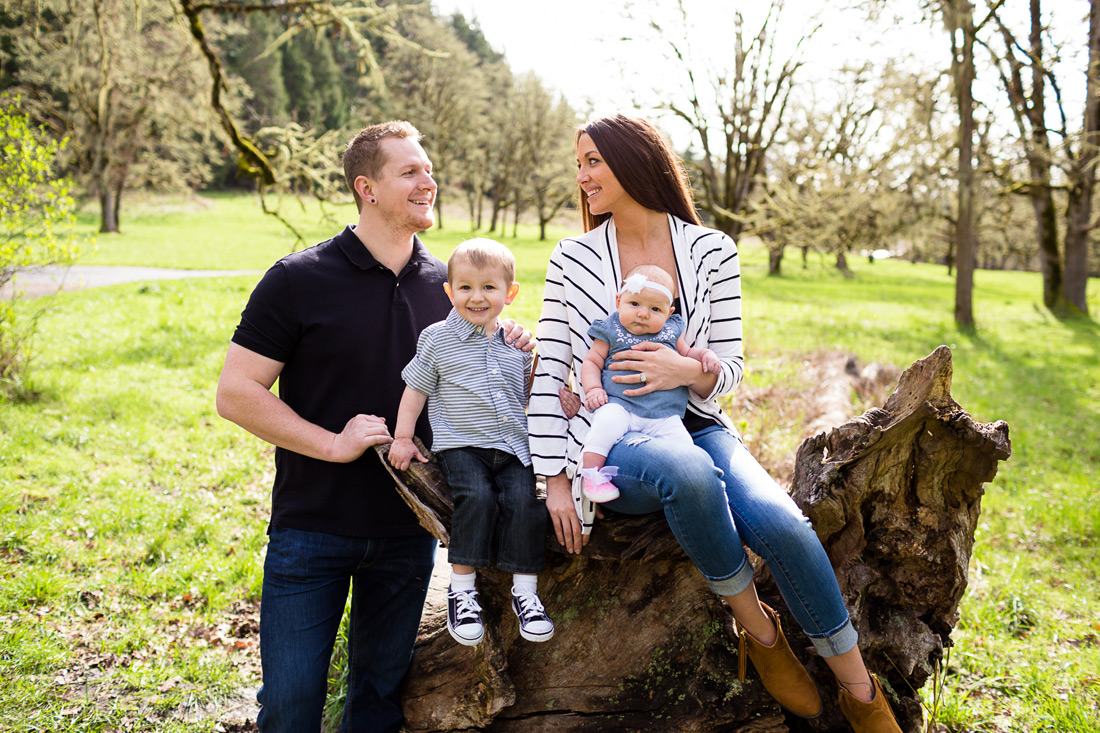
{"type": "Point", "coordinates": [335, 324]}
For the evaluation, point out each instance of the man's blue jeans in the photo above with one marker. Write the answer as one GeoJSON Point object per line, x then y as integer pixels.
{"type": "Point", "coordinates": [306, 578]}
{"type": "Point", "coordinates": [717, 499]}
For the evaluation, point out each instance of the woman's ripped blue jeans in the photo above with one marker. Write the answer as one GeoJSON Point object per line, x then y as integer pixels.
{"type": "Point", "coordinates": [718, 499]}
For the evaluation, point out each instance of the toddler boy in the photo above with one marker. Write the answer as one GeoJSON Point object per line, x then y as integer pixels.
{"type": "Point", "coordinates": [477, 385]}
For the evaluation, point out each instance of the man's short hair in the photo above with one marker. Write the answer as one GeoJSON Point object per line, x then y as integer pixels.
{"type": "Point", "coordinates": [363, 155]}
{"type": "Point", "coordinates": [484, 254]}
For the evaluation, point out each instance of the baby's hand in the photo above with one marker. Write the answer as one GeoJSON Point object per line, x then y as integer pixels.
{"type": "Point", "coordinates": [711, 363]}
{"type": "Point", "coordinates": [595, 398]}
{"type": "Point", "coordinates": [402, 451]}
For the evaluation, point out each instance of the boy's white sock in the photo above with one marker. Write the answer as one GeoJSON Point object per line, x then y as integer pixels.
{"type": "Point", "coordinates": [525, 582]}
{"type": "Point", "coordinates": [463, 582]}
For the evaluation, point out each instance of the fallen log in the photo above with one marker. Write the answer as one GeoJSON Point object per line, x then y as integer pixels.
{"type": "Point", "coordinates": [642, 643]}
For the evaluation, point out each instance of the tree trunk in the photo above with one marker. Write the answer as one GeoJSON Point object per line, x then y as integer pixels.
{"type": "Point", "coordinates": [500, 207]}
{"type": "Point", "coordinates": [1079, 206]}
{"type": "Point", "coordinates": [842, 263]}
{"type": "Point", "coordinates": [960, 23]}
{"type": "Point", "coordinates": [641, 643]}
{"type": "Point", "coordinates": [108, 211]}
{"type": "Point", "coordinates": [118, 206]}
{"type": "Point", "coordinates": [515, 217]}
{"type": "Point", "coordinates": [775, 259]}
{"type": "Point", "coordinates": [1029, 109]}
{"type": "Point", "coordinates": [1039, 160]}
{"type": "Point", "coordinates": [1046, 232]}
{"type": "Point", "coordinates": [438, 211]}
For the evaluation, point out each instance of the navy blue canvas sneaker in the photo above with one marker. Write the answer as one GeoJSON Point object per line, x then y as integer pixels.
{"type": "Point", "coordinates": [464, 617]}
{"type": "Point", "coordinates": [534, 624]}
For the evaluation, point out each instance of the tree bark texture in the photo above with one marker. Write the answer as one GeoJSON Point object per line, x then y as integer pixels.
{"type": "Point", "coordinates": [1079, 219]}
{"type": "Point", "coordinates": [960, 24]}
{"type": "Point", "coordinates": [108, 210]}
{"type": "Point", "coordinates": [641, 643]}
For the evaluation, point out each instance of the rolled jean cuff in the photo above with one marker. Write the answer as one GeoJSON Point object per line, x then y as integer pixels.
{"type": "Point", "coordinates": [838, 642]}
{"type": "Point", "coordinates": [733, 584]}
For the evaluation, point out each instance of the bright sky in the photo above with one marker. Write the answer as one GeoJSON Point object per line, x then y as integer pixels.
{"type": "Point", "coordinates": [576, 46]}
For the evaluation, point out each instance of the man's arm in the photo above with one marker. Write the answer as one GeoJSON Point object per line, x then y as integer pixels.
{"type": "Point", "coordinates": [245, 398]}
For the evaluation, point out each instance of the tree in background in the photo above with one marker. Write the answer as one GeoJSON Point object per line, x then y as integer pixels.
{"type": "Point", "coordinates": [958, 17]}
{"type": "Point", "coordinates": [444, 91]}
{"type": "Point", "coordinates": [1084, 157]}
{"type": "Point", "coordinates": [36, 215]}
{"type": "Point", "coordinates": [735, 104]}
{"type": "Point", "coordinates": [502, 152]}
{"type": "Point", "coordinates": [1028, 76]}
{"type": "Point", "coordinates": [245, 48]}
{"type": "Point", "coordinates": [1024, 75]}
{"type": "Point", "coordinates": [361, 26]}
{"type": "Point", "coordinates": [472, 166]}
{"type": "Point", "coordinates": [309, 78]}
{"type": "Point", "coordinates": [834, 177]}
{"type": "Point", "coordinates": [546, 125]}
{"type": "Point", "coordinates": [123, 83]}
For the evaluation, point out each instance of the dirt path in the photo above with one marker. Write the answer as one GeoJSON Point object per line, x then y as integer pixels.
{"type": "Point", "coordinates": [38, 281]}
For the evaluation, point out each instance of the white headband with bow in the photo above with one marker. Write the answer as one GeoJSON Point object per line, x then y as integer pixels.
{"type": "Point", "coordinates": [635, 283]}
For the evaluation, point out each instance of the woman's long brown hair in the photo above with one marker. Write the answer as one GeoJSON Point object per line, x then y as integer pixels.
{"type": "Point", "coordinates": [644, 164]}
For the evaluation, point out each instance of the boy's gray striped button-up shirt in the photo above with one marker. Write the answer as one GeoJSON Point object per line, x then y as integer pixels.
{"type": "Point", "coordinates": [476, 387]}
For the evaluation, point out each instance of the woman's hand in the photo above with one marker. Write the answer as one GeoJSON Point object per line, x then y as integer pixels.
{"type": "Point", "coordinates": [658, 367]}
{"type": "Point", "coordinates": [570, 402]}
{"type": "Point", "coordinates": [563, 515]}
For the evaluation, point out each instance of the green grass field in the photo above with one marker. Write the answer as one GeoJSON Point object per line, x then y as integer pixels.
{"type": "Point", "coordinates": [132, 517]}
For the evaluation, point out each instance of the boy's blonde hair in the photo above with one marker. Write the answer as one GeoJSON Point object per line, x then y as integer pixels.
{"type": "Point", "coordinates": [484, 254]}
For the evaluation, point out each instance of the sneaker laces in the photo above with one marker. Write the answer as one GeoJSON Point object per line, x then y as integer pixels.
{"type": "Point", "coordinates": [466, 605]}
{"type": "Point", "coordinates": [529, 604]}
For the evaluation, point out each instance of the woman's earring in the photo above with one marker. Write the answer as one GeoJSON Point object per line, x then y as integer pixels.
{"type": "Point", "coordinates": [373, 201]}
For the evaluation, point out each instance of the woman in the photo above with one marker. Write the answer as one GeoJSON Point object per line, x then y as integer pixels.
{"type": "Point", "coordinates": [638, 210]}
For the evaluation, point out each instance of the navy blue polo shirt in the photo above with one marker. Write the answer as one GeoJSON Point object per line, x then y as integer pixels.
{"type": "Point", "coordinates": [344, 326]}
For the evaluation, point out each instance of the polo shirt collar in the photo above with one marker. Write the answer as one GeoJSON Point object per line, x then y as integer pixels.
{"type": "Point", "coordinates": [464, 329]}
{"type": "Point", "coordinates": [360, 256]}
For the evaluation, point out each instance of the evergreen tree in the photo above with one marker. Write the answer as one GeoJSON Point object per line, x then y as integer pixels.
{"type": "Point", "coordinates": [301, 87]}
{"type": "Point", "coordinates": [265, 99]}
{"type": "Point", "coordinates": [331, 96]}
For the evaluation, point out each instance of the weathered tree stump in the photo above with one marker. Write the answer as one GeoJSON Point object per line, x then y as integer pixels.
{"type": "Point", "coordinates": [641, 643]}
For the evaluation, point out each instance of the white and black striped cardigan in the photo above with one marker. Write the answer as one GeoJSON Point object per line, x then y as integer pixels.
{"type": "Point", "coordinates": [581, 282]}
